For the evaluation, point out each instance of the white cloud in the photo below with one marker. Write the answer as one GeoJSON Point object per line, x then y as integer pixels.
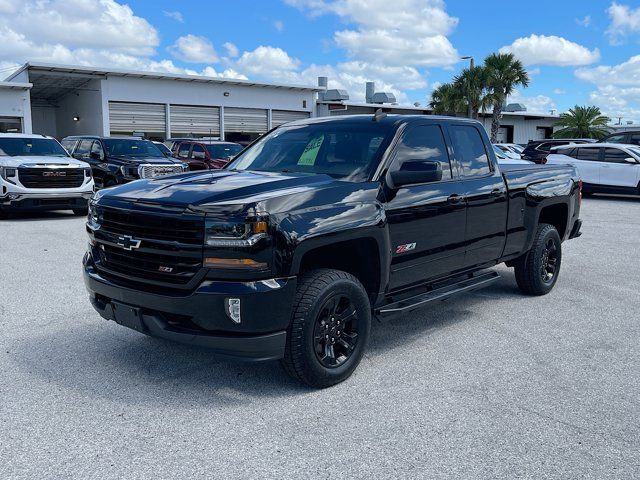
{"type": "Point", "coordinates": [617, 88]}
{"type": "Point", "coordinates": [267, 61]}
{"type": "Point", "coordinates": [177, 16]}
{"type": "Point", "coordinates": [584, 21]}
{"type": "Point", "coordinates": [193, 49]}
{"type": "Point", "coordinates": [624, 21]}
{"type": "Point", "coordinates": [551, 50]}
{"type": "Point", "coordinates": [412, 32]}
{"type": "Point", "coordinates": [279, 25]}
{"type": "Point", "coordinates": [232, 50]}
{"type": "Point", "coordinates": [559, 91]}
{"type": "Point", "coordinates": [535, 104]}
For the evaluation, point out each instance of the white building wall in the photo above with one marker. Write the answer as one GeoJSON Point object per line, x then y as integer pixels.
{"type": "Point", "coordinates": [16, 103]}
{"type": "Point", "coordinates": [86, 104]}
{"type": "Point", "coordinates": [524, 128]}
{"type": "Point", "coordinates": [43, 119]}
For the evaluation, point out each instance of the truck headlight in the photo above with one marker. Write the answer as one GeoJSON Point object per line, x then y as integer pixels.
{"type": "Point", "coordinates": [93, 218]}
{"type": "Point", "coordinates": [228, 234]}
{"type": "Point", "coordinates": [130, 171]}
{"type": "Point", "coordinates": [9, 174]}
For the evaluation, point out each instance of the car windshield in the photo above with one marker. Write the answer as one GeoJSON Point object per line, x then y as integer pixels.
{"type": "Point", "coordinates": [31, 147]}
{"type": "Point", "coordinates": [126, 147]}
{"type": "Point", "coordinates": [499, 152]}
{"type": "Point", "coordinates": [346, 151]}
{"type": "Point", "coordinates": [224, 151]}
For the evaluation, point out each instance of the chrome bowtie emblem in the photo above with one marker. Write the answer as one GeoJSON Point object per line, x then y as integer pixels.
{"type": "Point", "coordinates": [128, 242]}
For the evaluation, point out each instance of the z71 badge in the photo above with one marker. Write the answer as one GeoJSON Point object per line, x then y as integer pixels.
{"type": "Point", "coordinates": [406, 247]}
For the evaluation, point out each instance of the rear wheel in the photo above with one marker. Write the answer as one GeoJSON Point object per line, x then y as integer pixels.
{"type": "Point", "coordinates": [329, 329]}
{"type": "Point", "coordinates": [537, 271]}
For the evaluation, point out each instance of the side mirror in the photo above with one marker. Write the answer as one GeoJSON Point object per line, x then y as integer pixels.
{"type": "Point", "coordinates": [96, 156]}
{"type": "Point", "coordinates": [630, 160]}
{"type": "Point", "coordinates": [199, 155]}
{"type": "Point", "coordinates": [414, 172]}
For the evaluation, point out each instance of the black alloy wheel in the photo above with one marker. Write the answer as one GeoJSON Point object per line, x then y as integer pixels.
{"type": "Point", "coordinates": [336, 331]}
{"type": "Point", "coordinates": [549, 261]}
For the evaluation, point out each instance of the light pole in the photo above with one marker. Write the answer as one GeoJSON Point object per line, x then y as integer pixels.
{"type": "Point", "coordinates": [471, 65]}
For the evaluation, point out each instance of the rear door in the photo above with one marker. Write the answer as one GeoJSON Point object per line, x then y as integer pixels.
{"type": "Point", "coordinates": [426, 221]}
{"type": "Point", "coordinates": [615, 171]}
{"type": "Point", "coordinates": [485, 193]}
{"type": "Point", "coordinates": [588, 164]}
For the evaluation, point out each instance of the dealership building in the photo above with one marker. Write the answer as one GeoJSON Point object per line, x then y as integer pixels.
{"type": "Point", "coordinates": [61, 100]}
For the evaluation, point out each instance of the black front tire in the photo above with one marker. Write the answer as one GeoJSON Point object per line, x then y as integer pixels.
{"type": "Point", "coordinates": [537, 271]}
{"type": "Point", "coordinates": [306, 357]}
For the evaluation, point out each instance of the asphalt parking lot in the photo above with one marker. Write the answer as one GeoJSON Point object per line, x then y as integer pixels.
{"type": "Point", "coordinates": [489, 385]}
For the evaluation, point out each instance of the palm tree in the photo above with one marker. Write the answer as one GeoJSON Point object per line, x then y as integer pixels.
{"type": "Point", "coordinates": [582, 122]}
{"type": "Point", "coordinates": [504, 74]}
{"type": "Point", "coordinates": [445, 99]}
{"type": "Point", "coordinates": [471, 85]}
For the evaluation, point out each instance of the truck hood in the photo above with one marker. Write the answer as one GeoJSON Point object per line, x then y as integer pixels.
{"type": "Point", "coordinates": [7, 161]}
{"type": "Point", "coordinates": [219, 187]}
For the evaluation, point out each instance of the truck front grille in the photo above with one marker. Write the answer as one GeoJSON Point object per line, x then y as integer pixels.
{"type": "Point", "coordinates": [42, 177]}
{"type": "Point", "coordinates": [167, 247]}
{"type": "Point", "coordinates": [151, 171]}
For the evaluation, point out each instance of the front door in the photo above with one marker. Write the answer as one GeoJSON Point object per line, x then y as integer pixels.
{"type": "Point", "coordinates": [588, 164]}
{"type": "Point", "coordinates": [485, 193]}
{"type": "Point", "coordinates": [616, 171]}
{"type": "Point", "coordinates": [426, 221]}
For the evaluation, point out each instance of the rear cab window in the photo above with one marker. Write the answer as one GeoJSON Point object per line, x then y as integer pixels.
{"type": "Point", "coordinates": [470, 150]}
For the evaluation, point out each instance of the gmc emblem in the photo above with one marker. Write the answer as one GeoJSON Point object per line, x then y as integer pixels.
{"type": "Point", "coordinates": [54, 174]}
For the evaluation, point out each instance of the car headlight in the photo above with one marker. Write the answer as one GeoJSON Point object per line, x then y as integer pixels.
{"type": "Point", "coordinates": [87, 172]}
{"type": "Point", "coordinates": [93, 217]}
{"type": "Point", "coordinates": [9, 174]}
{"type": "Point", "coordinates": [130, 171]}
{"type": "Point", "coordinates": [229, 234]}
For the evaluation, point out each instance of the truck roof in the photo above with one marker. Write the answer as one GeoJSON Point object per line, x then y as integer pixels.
{"type": "Point", "coordinates": [23, 135]}
{"type": "Point", "coordinates": [390, 119]}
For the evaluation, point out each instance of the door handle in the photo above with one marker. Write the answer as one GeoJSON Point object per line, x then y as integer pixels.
{"type": "Point", "coordinates": [496, 192]}
{"type": "Point", "coordinates": [455, 198]}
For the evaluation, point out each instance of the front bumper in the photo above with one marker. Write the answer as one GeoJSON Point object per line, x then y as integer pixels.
{"type": "Point", "coordinates": [44, 201]}
{"type": "Point", "coordinates": [200, 318]}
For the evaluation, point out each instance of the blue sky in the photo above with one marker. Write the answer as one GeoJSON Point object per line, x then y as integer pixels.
{"type": "Point", "coordinates": [577, 52]}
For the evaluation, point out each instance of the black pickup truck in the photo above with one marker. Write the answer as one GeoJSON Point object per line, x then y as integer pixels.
{"type": "Point", "coordinates": [318, 227]}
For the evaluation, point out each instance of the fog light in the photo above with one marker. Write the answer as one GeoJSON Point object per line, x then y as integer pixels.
{"type": "Point", "coordinates": [14, 196]}
{"type": "Point", "coordinates": [232, 307]}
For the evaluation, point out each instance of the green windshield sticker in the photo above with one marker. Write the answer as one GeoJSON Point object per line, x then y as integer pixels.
{"type": "Point", "coordinates": [310, 153]}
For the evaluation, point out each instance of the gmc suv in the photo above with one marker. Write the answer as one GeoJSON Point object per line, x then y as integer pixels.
{"type": "Point", "coordinates": [318, 227]}
{"type": "Point", "coordinates": [36, 173]}
{"type": "Point", "coordinates": [116, 160]}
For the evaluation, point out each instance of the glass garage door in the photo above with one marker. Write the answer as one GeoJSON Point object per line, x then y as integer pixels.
{"type": "Point", "coordinates": [128, 118]}
{"type": "Point", "coordinates": [278, 117]}
{"type": "Point", "coordinates": [194, 121]}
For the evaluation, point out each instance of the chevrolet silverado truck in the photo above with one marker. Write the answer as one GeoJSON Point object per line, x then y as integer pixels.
{"type": "Point", "coordinates": [36, 173]}
{"type": "Point", "coordinates": [118, 160]}
{"type": "Point", "coordinates": [318, 227]}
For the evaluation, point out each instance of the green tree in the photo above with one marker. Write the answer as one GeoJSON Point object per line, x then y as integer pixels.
{"type": "Point", "coordinates": [446, 100]}
{"type": "Point", "coordinates": [471, 87]}
{"type": "Point", "coordinates": [504, 73]}
{"type": "Point", "coordinates": [582, 122]}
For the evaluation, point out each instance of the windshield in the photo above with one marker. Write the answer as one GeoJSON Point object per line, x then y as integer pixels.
{"type": "Point", "coordinates": [224, 151]}
{"type": "Point", "coordinates": [499, 152]}
{"type": "Point", "coordinates": [125, 147]}
{"type": "Point", "coordinates": [346, 151]}
{"type": "Point", "coordinates": [31, 147]}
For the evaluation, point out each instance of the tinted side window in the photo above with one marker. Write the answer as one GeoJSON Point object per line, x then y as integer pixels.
{"type": "Point", "coordinates": [591, 154]}
{"type": "Point", "coordinates": [198, 152]}
{"type": "Point", "coordinates": [69, 145]}
{"type": "Point", "coordinates": [424, 143]}
{"type": "Point", "coordinates": [84, 147]}
{"type": "Point", "coordinates": [615, 155]}
{"type": "Point", "coordinates": [470, 151]}
{"type": "Point", "coordinates": [566, 151]}
{"type": "Point", "coordinates": [183, 150]}
{"type": "Point", "coordinates": [96, 147]}
{"type": "Point", "coordinates": [635, 139]}
{"type": "Point", "coordinates": [615, 139]}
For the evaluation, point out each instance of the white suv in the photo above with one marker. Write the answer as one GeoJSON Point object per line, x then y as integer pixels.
{"type": "Point", "coordinates": [603, 167]}
{"type": "Point", "coordinates": [36, 173]}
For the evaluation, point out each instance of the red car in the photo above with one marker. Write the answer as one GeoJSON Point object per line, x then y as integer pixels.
{"type": "Point", "coordinates": [208, 155]}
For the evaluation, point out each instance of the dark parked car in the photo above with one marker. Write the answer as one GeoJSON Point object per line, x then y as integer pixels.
{"type": "Point", "coordinates": [211, 155]}
{"type": "Point", "coordinates": [116, 160]}
{"type": "Point", "coordinates": [319, 226]}
{"type": "Point", "coordinates": [537, 150]}
{"type": "Point", "coordinates": [630, 137]}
